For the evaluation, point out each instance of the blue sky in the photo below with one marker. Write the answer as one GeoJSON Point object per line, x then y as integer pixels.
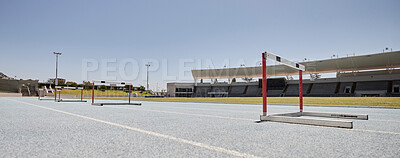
{"type": "Point", "coordinates": [176, 31]}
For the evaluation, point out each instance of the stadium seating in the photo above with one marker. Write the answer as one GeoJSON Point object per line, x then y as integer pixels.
{"type": "Point", "coordinates": [252, 90]}
{"type": "Point", "coordinates": [323, 89]}
{"type": "Point", "coordinates": [293, 90]}
{"type": "Point", "coordinates": [371, 85]}
{"type": "Point", "coordinates": [202, 91]}
{"type": "Point", "coordinates": [347, 87]}
{"type": "Point", "coordinates": [372, 88]}
{"type": "Point", "coordinates": [237, 91]}
{"type": "Point", "coordinates": [274, 93]}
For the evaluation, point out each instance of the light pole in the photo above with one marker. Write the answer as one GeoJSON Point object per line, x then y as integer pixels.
{"type": "Point", "coordinates": [147, 65]}
{"type": "Point", "coordinates": [56, 80]}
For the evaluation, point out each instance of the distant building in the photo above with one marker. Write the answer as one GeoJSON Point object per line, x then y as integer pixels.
{"type": "Point", "coordinates": [372, 75]}
{"type": "Point", "coordinates": [10, 85]}
{"type": "Point", "coordinates": [3, 76]}
{"type": "Point", "coordinates": [180, 89]}
{"type": "Point", "coordinates": [61, 81]}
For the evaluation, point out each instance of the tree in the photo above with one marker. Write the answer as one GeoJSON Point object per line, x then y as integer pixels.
{"type": "Point", "coordinates": [233, 80]}
{"type": "Point", "coordinates": [103, 87]}
{"type": "Point", "coordinates": [73, 84]}
{"type": "Point", "coordinates": [87, 84]}
{"type": "Point", "coordinates": [141, 88]}
{"type": "Point", "coordinates": [61, 81]}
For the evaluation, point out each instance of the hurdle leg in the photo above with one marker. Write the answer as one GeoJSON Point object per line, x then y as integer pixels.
{"type": "Point", "coordinates": [55, 94]}
{"type": "Point", "coordinates": [264, 83]}
{"type": "Point", "coordinates": [93, 93]}
{"type": "Point", "coordinates": [301, 90]}
{"type": "Point", "coordinates": [129, 93]}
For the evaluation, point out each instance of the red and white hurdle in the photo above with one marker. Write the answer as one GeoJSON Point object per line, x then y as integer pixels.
{"type": "Point", "coordinates": [113, 83]}
{"type": "Point", "coordinates": [44, 94]}
{"type": "Point", "coordinates": [59, 88]}
{"type": "Point", "coordinates": [295, 117]}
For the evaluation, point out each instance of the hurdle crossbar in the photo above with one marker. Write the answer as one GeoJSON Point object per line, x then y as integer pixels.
{"type": "Point", "coordinates": [112, 82]}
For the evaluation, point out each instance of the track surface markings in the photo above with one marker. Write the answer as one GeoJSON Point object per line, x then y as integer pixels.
{"type": "Point", "coordinates": [189, 114]}
{"type": "Point", "coordinates": [210, 147]}
{"type": "Point", "coordinates": [204, 109]}
{"type": "Point", "coordinates": [241, 111]}
{"type": "Point", "coordinates": [246, 119]}
{"type": "Point", "coordinates": [385, 120]}
{"type": "Point", "coordinates": [374, 131]}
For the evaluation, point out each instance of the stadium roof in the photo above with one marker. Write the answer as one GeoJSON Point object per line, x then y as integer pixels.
{"type": "Point", "coordinates": [354, 63]}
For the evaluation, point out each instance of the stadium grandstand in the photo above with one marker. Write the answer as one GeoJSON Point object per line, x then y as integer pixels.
{"type": "Point", "coordinates": [372, 75]}
{"type": "Point", "coordinates": [12, 85]}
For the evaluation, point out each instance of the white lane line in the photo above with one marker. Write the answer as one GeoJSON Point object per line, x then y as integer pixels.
{"type": "Point", "coordinates": [189, 114]}
{"type": "Point", "coordinates": [374, 131]}
{"type": "Point", "coordinates": [385, 120]}
{"type": "Point", "coordinates": [233, 118]}
{"type": "Point", "coordinates": [210, 147]}
{"type": "Point", "coordinates": [208, 109]}
{"type": "Point", "coordinates": [241, 111]}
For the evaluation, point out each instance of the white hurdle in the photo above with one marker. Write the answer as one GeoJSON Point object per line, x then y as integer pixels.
{"type": "Point", "coordinates": [295, 117]}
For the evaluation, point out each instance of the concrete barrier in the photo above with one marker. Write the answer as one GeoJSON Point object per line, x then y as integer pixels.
{"type": "Point", "coordinates": [10, 94]}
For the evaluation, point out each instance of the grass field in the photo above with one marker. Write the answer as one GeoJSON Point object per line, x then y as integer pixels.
{"type": "Point", "coordinates": [99, 92]}
{"type": "Point", "coordinates": [347, 101]}
{"type": "Point", "coordinates": [352, 101]}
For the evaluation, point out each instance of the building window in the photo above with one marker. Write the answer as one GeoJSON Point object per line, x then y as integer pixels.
{"type": "Point", "coordinates": [396, 88]}
{"type": "Point", "coordinates": [347, 89]}
{"type": "Point", "coordinates": [183, 94]}
{"type": "Point", "coordinates": [183, 90]}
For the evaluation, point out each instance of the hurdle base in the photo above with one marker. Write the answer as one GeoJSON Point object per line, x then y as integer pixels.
{"type": "Point", "coordinates": [101, 104]}
{"type": "Point", "coordinates": [51, 99]}
{"type": "Point", "coordinates": [71, 100]}
{"type": "Point", "coordinates": [328, 115]}
{"type": "Point", "coordinates": [307, 121]}
{"type": "Point", "coordinates": [295, 118]}
{"type": "Point", "coordinates": [336, 115]}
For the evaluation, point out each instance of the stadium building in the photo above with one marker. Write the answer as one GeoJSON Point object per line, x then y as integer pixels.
{"type": "Point", "coordinates": [22, 87]}
{"type": "Point", "coordinates": [375, 75]}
